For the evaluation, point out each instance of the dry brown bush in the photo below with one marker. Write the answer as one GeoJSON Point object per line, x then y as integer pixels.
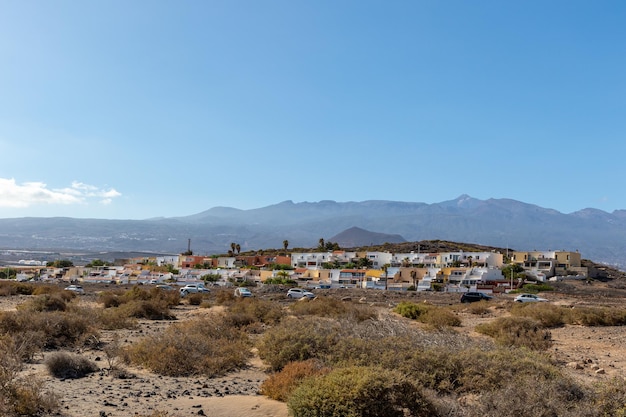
{"type": "Point", "coordinates": [517, 332]}
{"type": "Point", "coordinates": [248, 312]}
{"type": "Point", "coordinates": [281, 384]}
{"type": "Point", "coordinates": [547, 314]}
{"type": "Point", "coordinates": [60, 328]}
{"type": "Point", "coordinates": [18, 396]}
{"type": "Point", "coordinates": [208, 347]}
{"type": "Point", "coordinates": [46, 302]}
{"type": "Point", "coordinates": [66, 365]}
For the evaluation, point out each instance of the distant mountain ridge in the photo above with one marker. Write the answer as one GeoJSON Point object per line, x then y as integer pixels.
{"type": "Point", "coordinates": [598, 235]}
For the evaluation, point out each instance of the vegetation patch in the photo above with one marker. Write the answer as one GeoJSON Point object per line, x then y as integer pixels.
{"type": "Point", "coordinates": [66, 365]}
{"type": "Point", "coordinates": [434, 316]}
{"type": "Point", "coordinates": [359, 391]}
{"type": "Point", "coordinates": [334, 308]}
{"type": "Point", "coordinates": [280, 385]}
{"type": "Point", "coordinates": [209, 347]}
{"type": "Point", "coordinates": [517, 332]}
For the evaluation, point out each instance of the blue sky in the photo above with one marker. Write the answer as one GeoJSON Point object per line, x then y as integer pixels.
{"type": "Point", "coordinates": [140, 109]}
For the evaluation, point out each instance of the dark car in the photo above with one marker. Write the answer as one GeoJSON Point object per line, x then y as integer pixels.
{"type": "Point", "coordinates": [472, 297]}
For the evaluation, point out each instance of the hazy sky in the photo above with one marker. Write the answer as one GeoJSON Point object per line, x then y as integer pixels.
{"type": "Point", "coordinates": [138, 109]}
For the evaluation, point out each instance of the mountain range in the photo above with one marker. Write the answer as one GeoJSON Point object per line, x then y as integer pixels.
{"type": "Point", "coordinates": [598, 235]}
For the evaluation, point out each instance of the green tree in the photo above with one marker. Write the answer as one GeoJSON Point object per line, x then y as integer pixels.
{"type": "Point", "coordinates": [238, 248]}
{"type": "Point", "coordinates": [285, 244]}
{"type": "Point", "coordinates": [321, 243]}
{"type": "Point", "coordinates": [61, 263]}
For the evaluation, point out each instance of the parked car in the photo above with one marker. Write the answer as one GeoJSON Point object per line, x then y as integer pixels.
{"type": "Point", "coordinates": [75, 289]}
{"type": "Point", "coordinates": [299, 293]}
{"type": "Point", "coordinates": [193, 288]}
{"type": "Point", "coordinates": [164, 287]}
{"type": "Point", "coordinates": [472, 297]}
{"type": "Point", "coordinates": [529, 298]}
{"type": "Point", "coordinates": [242, 292]}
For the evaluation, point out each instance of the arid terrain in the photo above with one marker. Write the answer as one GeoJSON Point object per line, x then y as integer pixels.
{"type": "Point", "coordinates": [590, 354]}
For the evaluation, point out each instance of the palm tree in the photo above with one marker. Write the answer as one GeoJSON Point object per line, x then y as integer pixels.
{"type": "Point", "coordinates": [238, 247]}
{"type": "Point", "coordinates": [285, 244]}
{"type": "Point", "coordinates": [321, 243]}
{"type": "Point", "coordinates": [233, 247]}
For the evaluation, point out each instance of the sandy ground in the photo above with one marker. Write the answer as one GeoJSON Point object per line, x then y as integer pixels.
{"type": "Point", "coordinates": [589, 353]}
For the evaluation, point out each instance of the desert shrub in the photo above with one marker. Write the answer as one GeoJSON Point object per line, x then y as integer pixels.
{"type": "Point", "coordinates": [138, 296]}
{"type": "Point", "coordinates": [115, 319]}
{"type": "Point", "coordinates": [225, 297]}
{"type": "Point", "coordinates": [280, 385]}
{"type": "Point", "coordinates": [66, 365]}
{"type": "Point", "coordinates": [208, 347]}
{"type": "Point", "coordinates": [298, 339]}
{"type": "Point", "coordinates": [60, 328]}
{"type": "Point", "coordinates": [359, 391]}
{"type": "Point", "coordinates": [479, 308]}
{"type": "Point", "coordinates": [151, 309]}
{"type": "Point", "coordinates": [18, 396]}
{"type": "Point", "coordinates": [332, 307]}
{"type": "Point", "coordinates": [434, 316]}
{"type": "Point", "coordinates": [195, 299]}
{"type": "Point", "coordinates": [411, 310]}
{"type": "Point", "coordinates": [526, 396]}
{"type": "Point", "coordinates": [46, 302]}
{"type": "Point", "coordinates": [110, 299]}
{"type": "Point", "coordinates": [597, 316]}
{"type": "Point", "coordinates": [517, 332]}
{"type": "Point", "coordinates": [52, 289]}
{"type": "Point", "coordinates": [547, 314]}
{"type": "Point", "coordinates": [611, 398]}
{"type": "Point", "coordinates": [247, 311]}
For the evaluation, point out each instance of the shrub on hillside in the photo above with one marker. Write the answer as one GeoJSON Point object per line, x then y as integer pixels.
{"type": "Point", "coordinates": [517, 332]}
{"type": "Point", "coordinates": [359, 391]}
{"type": "Point", "coordinates": [209, 347]}
{"type": "Point", "coordinates": [69, 365]}
{"type": "Point", "coordinates": [597, 316]}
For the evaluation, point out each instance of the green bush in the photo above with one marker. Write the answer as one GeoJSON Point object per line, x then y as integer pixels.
{"type": "Point", "coordinates": [517, 332]}
{"type": "Point", "coordinates": [69, 365]}
{"type": "Point", "coordinates": [434, 316]}
{"type": "Point", "coordinates": [359, 391]}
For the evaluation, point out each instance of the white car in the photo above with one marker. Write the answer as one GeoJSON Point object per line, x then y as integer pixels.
{"type": "Point", "coordinates": [193, 288]}
{"type": "Point", "coordinates": [299, 293]}
{"type": "Point", "coordinates": [75, 289]}
{"type": "Point", "coordinates": [529, 298]}
{"type": "Point", "coordinates": [243, 292]}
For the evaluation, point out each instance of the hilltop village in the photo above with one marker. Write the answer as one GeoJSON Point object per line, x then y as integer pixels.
{"type": "Point", "coordinates": [457, 271]}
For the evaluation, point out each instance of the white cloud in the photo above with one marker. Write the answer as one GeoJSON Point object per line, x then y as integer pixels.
{"type": "Point", "coordinates": [30, 194]}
